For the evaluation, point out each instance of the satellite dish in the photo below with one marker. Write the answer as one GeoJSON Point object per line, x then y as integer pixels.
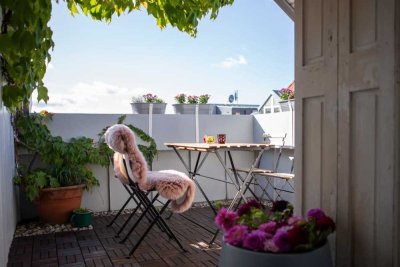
{"type": "Point", "coordinates": [231, 98]}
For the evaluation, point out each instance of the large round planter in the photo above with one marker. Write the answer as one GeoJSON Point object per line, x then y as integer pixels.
{"type": "Point", "coordinates": [237, 257]}
{"type": "Point", "coordinates": [204, 109]}
{"type": "Point", "coordinates": [144, 108]}
{"type": "Point", "coordinates": [55, 205]}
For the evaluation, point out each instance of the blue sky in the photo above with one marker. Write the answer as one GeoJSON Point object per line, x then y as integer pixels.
{"type": "Point", "coordinates": [97, 67]}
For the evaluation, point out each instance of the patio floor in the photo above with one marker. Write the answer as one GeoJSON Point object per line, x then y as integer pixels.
{"type": "Point", "coordinates": [99, 247]}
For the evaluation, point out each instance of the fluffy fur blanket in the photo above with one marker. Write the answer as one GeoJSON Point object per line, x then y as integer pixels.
{"type": "Point", "coordinates": [171, 184]}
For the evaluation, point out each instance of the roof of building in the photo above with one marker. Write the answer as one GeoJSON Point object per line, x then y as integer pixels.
{"type": "Point", "coordinates": [276, 93]}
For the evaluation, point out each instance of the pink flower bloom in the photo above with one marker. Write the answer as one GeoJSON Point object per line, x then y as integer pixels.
{"type": "Point", "coordinates": [255, 240]}
{"type": "Point", "coordinates": [315, 213]}
{"type": "Point", "coordinates": [225, 219]}
{"type": "Point", "coordinates": [297, 236]}
{"type": "Point", "coordinates": [269, 245]}
{"type": "Point", "coordinates": [322, 221]}
{"type": "Point", "coordinates": [325, 223]}
{"type": "Point", "coordinates": [281, 240]}
{"type": "Point", "coordinates": [269, 228]}
{"type": "Point", "coordinates": [236, 235]}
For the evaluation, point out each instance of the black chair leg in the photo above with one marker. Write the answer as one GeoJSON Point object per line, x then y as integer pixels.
{"type": "Point", "coordinates": [149, 228]}
{"type": "Point", "coordinates": [138, 206]}
{"type": "Point", "coordinates": [120, 211]}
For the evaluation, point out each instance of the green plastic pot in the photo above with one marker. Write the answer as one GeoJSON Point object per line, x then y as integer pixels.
{"type": "Point", "coordinates": [81, 218]}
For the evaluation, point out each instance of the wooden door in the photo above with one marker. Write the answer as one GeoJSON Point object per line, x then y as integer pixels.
{"type": "Point", "coordinates": [366, 133]}
{"type": "Point", "coordinates": [347, 124]}
{"type": "Point", "coordinates": [316, 105]}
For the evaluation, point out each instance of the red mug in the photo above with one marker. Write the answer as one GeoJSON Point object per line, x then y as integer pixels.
{"type": "Point", "coordinates": [221, 138]}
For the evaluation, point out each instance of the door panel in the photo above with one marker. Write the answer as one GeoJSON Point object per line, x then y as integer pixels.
{"type": "Point", "coordinates": [345, 124]}
{"type": "Point", "coordinates": [366, 133]}
{"type": "Point", "coordinates": [316, 102]}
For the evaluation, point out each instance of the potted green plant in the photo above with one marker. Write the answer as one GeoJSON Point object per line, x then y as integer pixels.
{"type": "Point", "coordinates": [188, 104]}
{"type": "Point", "coordinates": [141, 104]}
{"type": "Point", "coordinates": [56, 172]}
{"type": "Point", "coordinates": [255, 238]}
{"type": "Point", "coordinates": [81, 217]}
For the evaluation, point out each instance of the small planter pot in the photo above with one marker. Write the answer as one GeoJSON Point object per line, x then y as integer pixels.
{"type": "Point", "coordinates": [204, 109]}
{"type": "Point", "coordinates": [144, 108]}
{"type": "Point", "coordinates": [238, 257]}
{"type": "Point", "coordinates": [81, 218]}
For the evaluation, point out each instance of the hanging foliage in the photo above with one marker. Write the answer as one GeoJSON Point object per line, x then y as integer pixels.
{"type": "Point", "coordinates": [26, 38]}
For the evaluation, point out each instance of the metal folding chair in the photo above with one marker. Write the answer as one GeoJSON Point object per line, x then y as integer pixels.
{"type": "Point", "coordinates": [131, 169]}
{"type": "Point", "coordinates": [272, 174]}
{"type": "Point", "coordinates": [271, 178]}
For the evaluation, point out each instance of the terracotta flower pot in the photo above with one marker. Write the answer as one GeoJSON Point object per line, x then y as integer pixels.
{"type": "Point", "coordinates": [232, 256]}
{"type": "Point", "coordinates": [55, 205]}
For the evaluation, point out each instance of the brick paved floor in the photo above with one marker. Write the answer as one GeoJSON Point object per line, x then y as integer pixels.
{"type": "Point", "coordinates": [99, 247]}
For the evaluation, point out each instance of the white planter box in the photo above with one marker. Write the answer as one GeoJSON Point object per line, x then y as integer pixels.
{"type": "Point", "coordinates": [287, 105]}
{"type": "Point", "coordinates": [144, 108]}
{"type": "Point", "coordinates": [204, 109]}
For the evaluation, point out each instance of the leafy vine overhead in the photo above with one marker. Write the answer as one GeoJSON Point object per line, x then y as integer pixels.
{"type": "Point", "coordinates": [26, 39]}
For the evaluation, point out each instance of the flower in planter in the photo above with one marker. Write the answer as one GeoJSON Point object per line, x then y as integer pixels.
{"type": "Point", "coordinates": [274, 231]}
{"type": "Point", "coordinates": [192, 99]}
{"type": "Point", "coordinates": [150, 98]}
{"type": "Point", "coordinates": [286, 93]}
{"type": "Point", "coordinates": [180, 98]}
{"type": "Point", "coordinates": [203, 99]}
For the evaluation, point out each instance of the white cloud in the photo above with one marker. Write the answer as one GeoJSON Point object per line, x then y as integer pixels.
{"type": "Point", "coordinates": [90, 97]}
{"type": "Point", "coordinates": [50, 66]}
{"type": "Point", "coordinates": [231, 62]}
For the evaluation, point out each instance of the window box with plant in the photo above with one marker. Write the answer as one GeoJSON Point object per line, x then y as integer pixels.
{"type": "Point", "coordinates": [255, 238]}
{"type": "Point", "coordinates": [287, 97]}
{"type": "Point", "coordinates": [187, 104]}
{"type": "Point", "coordinates": [141, 104]}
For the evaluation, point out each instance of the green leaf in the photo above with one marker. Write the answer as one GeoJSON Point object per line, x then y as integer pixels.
{"type": "Point", "coordinates": [12, 95]}
{"type": "Point", "coordinates": [42, 94]}
{"type": "Point", "coordinates": [73, 8]}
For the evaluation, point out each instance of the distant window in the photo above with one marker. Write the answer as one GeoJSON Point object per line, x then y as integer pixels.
{"type": "Point", "coordinates": [276, 110]}
{"type": "Point", "coordinates": [267, 110]}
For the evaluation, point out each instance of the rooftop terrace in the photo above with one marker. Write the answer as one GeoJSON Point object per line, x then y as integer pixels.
{"type": "Point", "coordinates": [99, 247]}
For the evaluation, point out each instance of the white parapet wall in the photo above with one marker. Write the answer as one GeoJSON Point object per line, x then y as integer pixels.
{"type": "Point", "coordinates": [165, 128]}
{"type": "Point", "coordinates": [110, 195]}
{"type": "Point", "coordinates": [8, 210]}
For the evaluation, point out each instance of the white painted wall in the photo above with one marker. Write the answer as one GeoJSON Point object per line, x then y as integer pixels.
{"type": "Point", "coordinates": [166, 128]}
{"type": "Point", "coordinates": [171, 128]}
{"type": "Point", "coordinates": [8, 210]}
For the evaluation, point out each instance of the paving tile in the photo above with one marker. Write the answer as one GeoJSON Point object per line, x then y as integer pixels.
{"type": "Point", "coordinates": [99, 247]}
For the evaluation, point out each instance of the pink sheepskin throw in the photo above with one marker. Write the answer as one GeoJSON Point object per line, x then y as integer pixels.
{"type": "Point", "coordinates": [171, 184]}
